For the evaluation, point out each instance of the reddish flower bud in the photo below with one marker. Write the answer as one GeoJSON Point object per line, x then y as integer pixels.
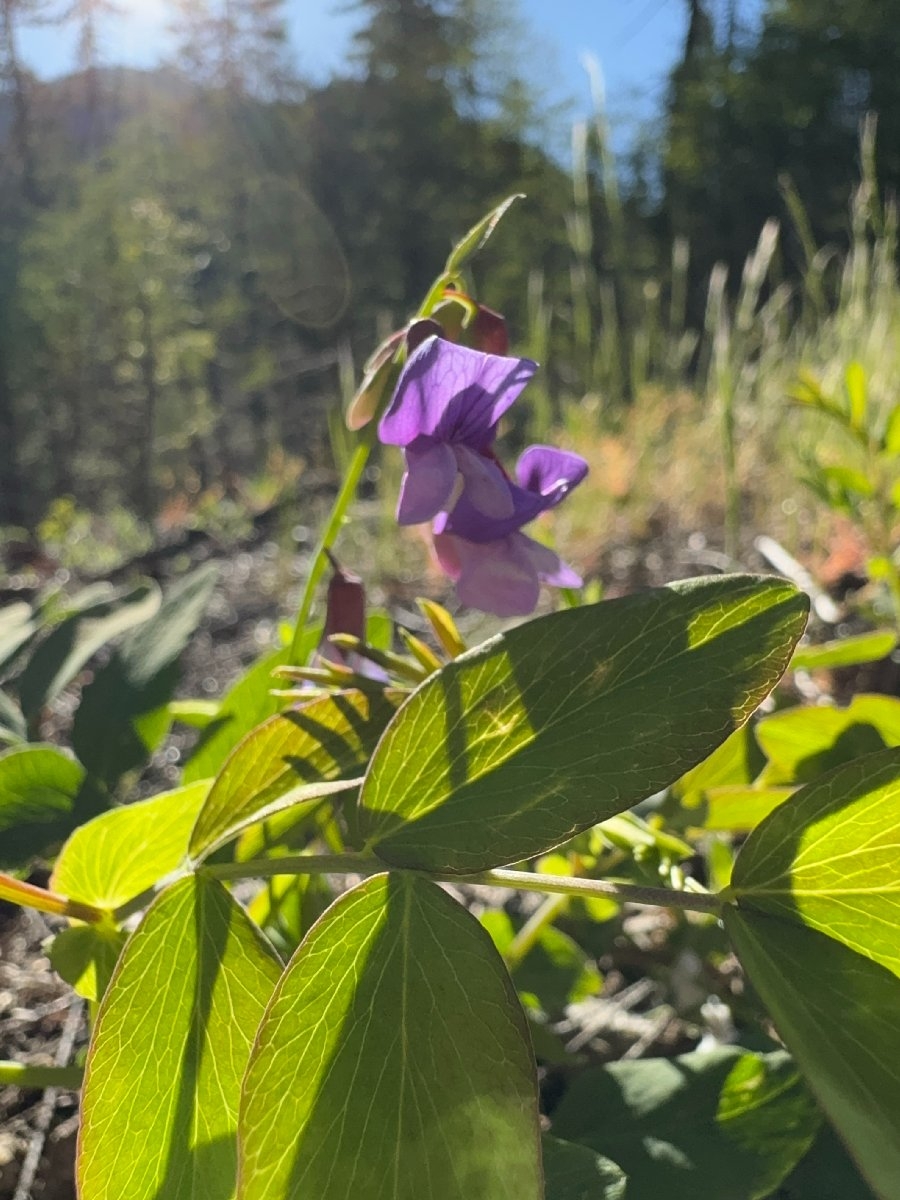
{"type": "Point", "coordinates": [345, 610]}
{"type": "Point", "coordinates": [488, 332]}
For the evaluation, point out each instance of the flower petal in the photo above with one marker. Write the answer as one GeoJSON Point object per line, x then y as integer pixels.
{"type": "Point", "coordinates": [466, 521]}
{"type": "Point", "coordinates": [428, 483]}
{"type": "Point", "coordinates": [549, 472]}
{"type": "Point", "coordinates": [453, 394]}
{"type": "Point", "coordinates": [498, 577]}
{"type": "Point", "coordinates": [484, 485]}
{"type": "Point", "coordinates": [549, 566]}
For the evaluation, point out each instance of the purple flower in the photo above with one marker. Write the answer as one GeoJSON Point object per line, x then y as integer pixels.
{"type": "Point", "coordinates": [544, 476]}
{"type": "Point", "coordinates": [496, 567]}
{"type": "Point", "coordinates": [502, 577]}
{"type": "Point", "coordinates": [444, 414]}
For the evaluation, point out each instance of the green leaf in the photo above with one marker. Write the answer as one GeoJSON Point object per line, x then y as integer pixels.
{"type": "Point", "coordinates": [122, 852]}
{"type": "Point", "coordinates": [17, 625]}
{"type": "Point", "coordinates": [846, 484]}
{"type": "Point", "coordinates": [39, 792]}
{"type": "Point", "coordinates": [547, 729]}
{"type": "Point", "coordinates": [244, 706]}
{"type": "Point", "coordinates": [845, 652]}
{"type": "Point", "coordinates": [12, 721]}
{"type": "Point", "coordinates": [828, 858]}
{"type": "Point", "coordinates": [736, 761]}
{"type": "Point", "coordinates": [837, 1013]}
{"type": "Point", "coordinates": [393, 1062]}
{"type": "Point", "coordinates": [555, 971]}
{"type": "Point", "coordinates": [801, 743]}
{"type": "Point", "coordinates": [855, 383]}
{"type": "Point", "coordinates": [826, 1172]}
{"type": "Point", "coordinates": [169, 1049]}
{"type": "Point", "coordinates": [325, 739]}
{"type": "Point", "coordinates": [123, 716]}
{"type": "Point", "coordinates": [573, 1172]}
{"type": "Point", "coordinates": [891, 440]}
{"type": "Point", "coordinates": [197, 713]}
{"type": "Point", "coordinates": [477, 236]}
{"type": "Point", "coordinates": [740, 809]}
{"type": "Point", "coordinates": [85, 956]}
{"type": "Point", "coordinates": [726, 1124]}
{"type": "Point", "coordinates": [59, 658]}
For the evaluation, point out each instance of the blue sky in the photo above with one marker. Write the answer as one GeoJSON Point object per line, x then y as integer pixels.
{"type": "Point", "coordinates": [635, 41]}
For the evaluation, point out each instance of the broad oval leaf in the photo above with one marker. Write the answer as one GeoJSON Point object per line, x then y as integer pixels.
{"type": "Point", "coordinates": [573, 1172]}
{"type": "Point", "coordinates": [323, 740]}
{"type": "Point", "coordinates": [724, 1123]}
{"type": "Point", "coordinates": [827, 858]}
{"type": "Point", "coordinates": [393, 1062]}
{"type": "Point", "coordinates": [39, 791]}
{"type": "Point", "coordinates": [170, 1046]}
{"type": "Point", "coordinates": [116, 856]}
{"type": "Point", "coordinates": [837, 1013]}
{"type": "Point", "coordinates": [545, 730]}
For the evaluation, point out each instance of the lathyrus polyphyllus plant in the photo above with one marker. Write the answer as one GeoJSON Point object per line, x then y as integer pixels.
{"type": "Point", "coordinates": [391, 1057]}
{"type": "Point", "coordinates": [444, 413]}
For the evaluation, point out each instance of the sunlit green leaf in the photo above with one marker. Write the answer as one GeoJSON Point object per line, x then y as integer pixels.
{"type": "Point", "coordinates": [726, 1124]}
{"type": "Point", "coordinates": [17, 625]}
{"type": "Point", "coordinates": [801, 743]}
{"type": "Point", "coordinates": [740, 809]}
{"type": "Point", "coordinates": [547, 729]}
{"type": "Point", "coordinates": [837, 1013]}
{"type": "Point", "coordinates": [855, 383]}
{"type": "Point", "coordinates": [39, 793]}
{"type": "Point", "coordinates": [322, 740]}
{"type": "Point", "coordinates": [59, 658]}
{"type": "Point", "coordinates": [197, 713]}
{"type": "Point", "coordinates": [12, 721]}
{"type": "Point", "coordinates": [244, 706]}
{"type": "Point", "coordinates": [85, 956]}
{"type": "Point", "coordinates": [828, 858]}
{"type": "Point", "coordinates": [737, 761]}
{"type": "Point", "coordinates": [891, 440]}
{"type": "Point", "coordinates": [477, 236]}
{"type": "Point", "coordinates": [845, 652]}
{"type": "Point", "coordinates": [169, 1049]}
{"type": "Point", "coordinates": [573, 1172]}
{"type": "Point", "coordinates": [847, 484]}
{"type": "Point", "coordinates": [120, 853]}
{"type": "Point", "coordinates": [393, 1062]}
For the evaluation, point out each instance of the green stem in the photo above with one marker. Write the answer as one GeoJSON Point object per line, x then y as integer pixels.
{"type": "Point", "coordinates": [526, 881]}
{"type": "Point", "coordinates": [342, 502]}
{"type": "Point", "coordinates": [529, 935]}
{"type": "Point", "coordinates": [13, 1074]}
{"type": "Point", "coordinates": [566, 885]}
{"type": "Point", "coordinates": [298, 864]}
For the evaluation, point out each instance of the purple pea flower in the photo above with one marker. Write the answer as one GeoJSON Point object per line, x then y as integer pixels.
{"type": "Point", "coordinates": [444, 414]}
{"type": "Point", "coordinates": [495, 566]}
